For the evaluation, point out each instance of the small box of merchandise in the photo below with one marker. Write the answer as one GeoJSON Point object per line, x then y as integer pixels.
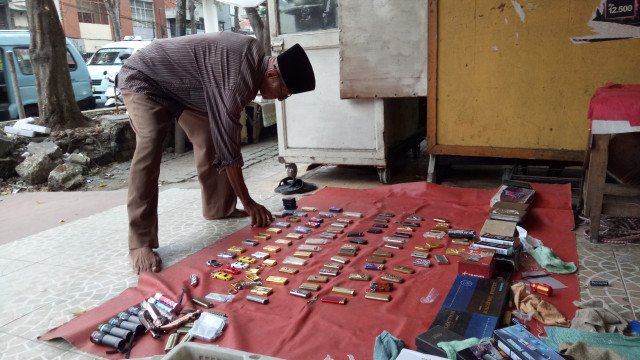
{"type": "Point", "coordinates": [518, 343]}
{"type": "Point", "coordinates": [477, 262]}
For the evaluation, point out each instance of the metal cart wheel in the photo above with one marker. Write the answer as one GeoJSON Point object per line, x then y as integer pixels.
{"type": "Point", "coordinates": [292, 169]}
{"type": "Point", "coordinates": [384, 175]}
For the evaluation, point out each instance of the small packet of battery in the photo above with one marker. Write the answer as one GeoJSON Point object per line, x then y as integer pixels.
{"type": "Point", "coordinates": [260, 255]}
{"type": "Point", "coordinates": [303, 230]}
{"type": "Point", "coordinates": [219, 297]}
{"type": "Point", "coordinates": [422, 262]}
{"type": "Point", "coordinates": [434, 235]}
{"type": "Point", "coordinates": [316, 241]}
{"type": "Point", "coordinates": [394, 240]}
{"type": "Point", "coordinates": [352, 214]}
{"type": "Point", "coordinates": [292, 260]}
{"type": "Point", "coordinates": [306, 247]}
{"type": "Point", "coordinates": [325, 214]}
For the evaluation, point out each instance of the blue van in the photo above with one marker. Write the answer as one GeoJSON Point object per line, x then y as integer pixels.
{"type": "Point", "coordinates": [18, 42]}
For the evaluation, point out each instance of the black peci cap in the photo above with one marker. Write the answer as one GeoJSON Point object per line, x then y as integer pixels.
{"type": "Point", "coordinates": [296, 70]}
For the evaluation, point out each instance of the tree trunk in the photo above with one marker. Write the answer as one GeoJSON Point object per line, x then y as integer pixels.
{"type": "Point", "coordinates": [113, 9]}
{"type": "Point", "coordinates": [259, 29]}
{"type": "Point", "coordinates": [48, 53]}
{"type": "Point", "coordinates": [181, 17]}
{"type": "Point", "coordinates": [192, 16]}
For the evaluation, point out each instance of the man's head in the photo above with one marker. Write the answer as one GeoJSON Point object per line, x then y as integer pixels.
{"type": "Point", "coordinates": [288, 73]}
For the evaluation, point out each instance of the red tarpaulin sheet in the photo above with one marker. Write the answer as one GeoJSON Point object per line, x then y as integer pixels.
{"type": "Point", "coordinates": [616, 102]}
{"type": "Point", "coordinates": [289, 328]}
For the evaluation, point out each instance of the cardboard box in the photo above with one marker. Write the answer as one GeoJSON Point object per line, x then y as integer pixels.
{"type": "Point", "coordinates": [508, 263]}
{"type": "Point", "coordinates": [477, 262]}
{"type": "Point", "coordinates": [473, 307]}
{"type": "Point", "coordinates": [520, 344]}
{"type": "Point", "coordinates": [427, 342]}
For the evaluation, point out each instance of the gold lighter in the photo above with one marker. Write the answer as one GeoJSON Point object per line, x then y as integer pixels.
{"type": "Point", "coordinates": [382, 253]}
{"type": "Point", "coordinates": [309, 208]}
{"type": "Point", "coordinates": [393, 246]}
{"type": "Point", "coordinates": [375, 260]}
{"type": "Point", "coordinates": [393, 278]}
{"type": "Point", "coordinates": [340, 259]}
{"type": "Point", "coordinates": [271, 248]}
{"type": "Point", "coordinates": [309, 286]}
{"type": "Point", "coordinates": [346, 252]}
{"type": "Point", "coordinates": [441, 225]}
{"type": "Point", "coordinates": [293, 219]}
{"type": "Point", "coordinates": [252, 277]}
{"type": "Point", "coordinates": [464, 242]}
{"type": "Point", "coordinates": [425, 248]}
{"type": "Point", "coordinates": [269, 262]}
{"type": "Point", "coordinates": [274, 230]}
{"type": "Point", "coordinates": [288, 270]}
{"type": "Point", "coordinates": [404, 269]}
{"type": "Point", "coordinates": [455, 252]}
{"type": "Point", "coordinates": [283, 242]}
{"type": "Point", "coordinates": [406, 229]}
{"type": "Point", "coordinates": [303, 254]}
{"type": "Point", "coordinates": [317, 278]}
{"type": "Point", "coordinates": [261, 237]}
{"type": "Point", "coordinates": [278, 280]}
{"type": "Point", "coordinates": [335, 230]}
{"type": "Point", "coordinates": [237, 249]}
{"type": "Point", "coordinates": [343, 290]}
{"type": "Point", "coordinates": [171, 342]}
{"type": "Point", "coordinates": [361, 277]}
{"type": "Point", "coordinates": [294, 236]}
{"type": "Point", "coordinates": [261, 290]}
{"type": "Point", "coordinates": [377, 296]}
{"type": "Point", "coordinates": [435, 244]}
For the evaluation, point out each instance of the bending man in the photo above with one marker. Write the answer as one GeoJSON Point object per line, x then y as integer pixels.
{"type": "Point", "coordinates": [204, 81]}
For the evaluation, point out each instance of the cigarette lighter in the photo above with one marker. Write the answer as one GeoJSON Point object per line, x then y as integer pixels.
{"type": "Point", "coordinates": [361, 277]}
{"type": "Point", "coordinates": [377, 296]}
{"type": "Point", "coordinates": [274, 230]}
{"type": "Point", "coordinates": [334, 299]}
{"type": "Point", "coordinates": [284, 242]}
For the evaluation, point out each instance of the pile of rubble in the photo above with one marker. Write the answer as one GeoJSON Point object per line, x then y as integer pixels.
{"type": "Point", "coordinates": [59, 161]}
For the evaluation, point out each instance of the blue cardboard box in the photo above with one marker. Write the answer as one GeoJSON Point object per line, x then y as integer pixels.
{"type": "Point", "coordinates": [520, 344]}
{"type": "Point", "coordinates": [474, 306]}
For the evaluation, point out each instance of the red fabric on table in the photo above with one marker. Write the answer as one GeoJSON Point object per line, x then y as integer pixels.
{"type": "Point", "coordinates": [616, 102]}
{"type": "Point", "coordinates": [289, 328]}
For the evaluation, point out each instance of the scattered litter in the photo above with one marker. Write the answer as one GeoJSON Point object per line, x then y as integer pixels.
{"type": "Point", "coordinates": [102, 185]}
{"type": "Point", "coordinates": [61, 220]}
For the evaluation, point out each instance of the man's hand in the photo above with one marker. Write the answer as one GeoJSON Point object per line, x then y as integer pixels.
{"type": "Point", "coordinates": [260, 216]}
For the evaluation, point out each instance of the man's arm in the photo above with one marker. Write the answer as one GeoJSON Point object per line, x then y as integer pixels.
{"type": "Point", "coordinates": [260, 216]}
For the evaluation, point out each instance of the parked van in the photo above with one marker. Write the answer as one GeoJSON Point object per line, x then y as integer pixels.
{"type": "Point", "coordinates": [107, 61]}
{"type": "Point", "coordinates": [18, 42]}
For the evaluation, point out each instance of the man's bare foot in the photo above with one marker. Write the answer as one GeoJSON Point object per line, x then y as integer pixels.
{"type": "Point", "coordinates": [144, 259]}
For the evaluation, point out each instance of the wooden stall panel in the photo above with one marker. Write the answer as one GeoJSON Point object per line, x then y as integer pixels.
{"type": "Point", "coordinates": [511, 83]}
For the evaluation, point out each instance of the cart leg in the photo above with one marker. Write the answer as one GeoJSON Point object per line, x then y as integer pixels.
{"type": "Point", "coordinates": [431, 171]}
{"type": "Point", "coordinates": [383, 174]}
{"type": "Point", "coordinates": [292, 169]}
